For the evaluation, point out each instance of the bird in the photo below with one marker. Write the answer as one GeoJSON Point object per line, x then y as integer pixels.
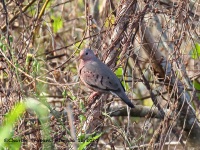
{"type": "Point", "coordinates": [98, 77]}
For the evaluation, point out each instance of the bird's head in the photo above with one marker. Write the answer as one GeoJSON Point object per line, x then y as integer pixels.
{"type": "Point", "coordinates": [86, 54]}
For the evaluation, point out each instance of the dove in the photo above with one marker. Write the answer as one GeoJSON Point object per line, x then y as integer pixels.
{"type": "Point", "coordinates": [98, 77]}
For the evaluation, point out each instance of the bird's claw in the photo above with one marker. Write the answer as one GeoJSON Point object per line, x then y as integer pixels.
{"type": "Point", "coordinates": [93, 97]}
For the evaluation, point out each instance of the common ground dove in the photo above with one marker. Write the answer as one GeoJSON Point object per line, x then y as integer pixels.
{"type": "Point", "coordinates": [99, 77]}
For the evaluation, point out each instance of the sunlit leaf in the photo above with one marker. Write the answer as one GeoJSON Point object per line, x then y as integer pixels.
{"type": "Point", "coordinates": [119, 74]}
{"type": "Point", "coordinates": [29, 58]}
{"type": "Point", "coordinates": [88, 141]}
{"type": "Point", "coordinates": [9, 122]}
{"type": "Point", "coordinates": [110, 20]}
{"type": "Point", "coordinates": [195, 52]}
{"type": "Point", "coordinates": [57, 23]}
{"type": "Point", "coordinates": [148, 102]}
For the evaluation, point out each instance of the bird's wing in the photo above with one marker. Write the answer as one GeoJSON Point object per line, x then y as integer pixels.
{"type": "Point", "coordinates": [99, 76]}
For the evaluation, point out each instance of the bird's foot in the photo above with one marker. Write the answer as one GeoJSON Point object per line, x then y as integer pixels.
{"type": "Point", "coordinates": [93, 97]}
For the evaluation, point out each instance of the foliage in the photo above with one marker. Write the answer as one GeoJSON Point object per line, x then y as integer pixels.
{"type": "Point", "coordinates": [196, 51]}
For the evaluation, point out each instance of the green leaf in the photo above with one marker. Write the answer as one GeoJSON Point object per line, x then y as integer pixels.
{"type": "Point", "coordinates": [82, 118]}
{"type": "Point", "coordinates": [36, 67]}
{"type": "Point", "coordinates": [196, 85]}
{"type": "Point", "coordinates": [29, 58]}
{"type": "Point", "coordinates": [4, 48]}
{"type": "Point", "coordinates": [110, 20]}
{"type": "Point", "coordinates": [57, 23]}
{"type": "Point", "coordinates": [82, 106]}
{"type": "Point", "coordinates": [81, 137]}
{"type": "Point", "coordinates": [119, 72]}
{"type": "Point", "coordinates": [42, 112]}
{"type": "Point", "coordinates": [195, 52]}
{"type": "Point", "coordinates": [71, 95]}
{"type": "Point", "coordinates": [49, 4]}
{"type": "Point", "coordinates": [88, 141]}
{"type": "Point", "coordinates": [11, 39]}
{"type": "Point", "coordinates": [79, 45]}
{"type": "Point", "coordinates": [7, 126]}
{"type": "Point", "coordinates": [64, 93]}
{"type": "Point", "coordinates": [148, 102]}
{"type": "Point", "coordinates": [1, 45]}
{"type": "Point", "coordinates": [13, 143]}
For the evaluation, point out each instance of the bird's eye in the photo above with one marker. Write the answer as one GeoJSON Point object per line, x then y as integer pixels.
{"type": "Point", "coordinates": [86, 53]}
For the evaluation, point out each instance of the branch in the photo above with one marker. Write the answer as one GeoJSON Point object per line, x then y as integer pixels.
{"type": "Point", "coordinates": [138, 111]}
{"type": "Point", "coordinates": [122, 20]}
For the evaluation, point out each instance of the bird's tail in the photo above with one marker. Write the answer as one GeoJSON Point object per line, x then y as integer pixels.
{"type": "Point", "coordinates": [125, 98]}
